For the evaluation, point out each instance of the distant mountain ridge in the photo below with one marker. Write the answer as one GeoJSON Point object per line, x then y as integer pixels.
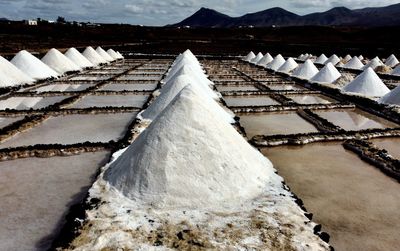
{"type": "Point", "coordinates": [338, 16]}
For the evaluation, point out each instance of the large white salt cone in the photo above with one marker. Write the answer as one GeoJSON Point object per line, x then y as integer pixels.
{"type": "Point", "coordinates": [32, 66]}
{"type": "Point", "coordinates": [276, 63]}
{"type": "Point", "coordinates": [328, 74]}
{"type": "Point", "coordinates": [288, 66]}
{"type": "Point", "coordinates": [321, 59]}
{"type": "Point", "coordinates": [368, 84]}
{"type": "Point", "coordinates": [265, 60]}
{"type": "Point", "coordinates": [306, 70]}
{"type": "Point", "coordinates": [59, 62]}
{"type": "Point", "coordinates": [93, 56]}
{"type": "Point", "coordinates": [392, 98]}
{"type": "Point", "coordinates": [10, 75]}
{"type": "Point", "coordinates": [189, 158]}
{"type": "Point", "coordinates": [75, 56]}
{"type": "Point", "coordinates": [354, 63]}
{"type": "Point", "coordinates": [113, 54]}
{"type": "Point", "coordinates": [104, 54]}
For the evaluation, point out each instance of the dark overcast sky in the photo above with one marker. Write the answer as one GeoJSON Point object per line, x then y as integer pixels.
{"type": "Point", "coordinates": [158, 12]}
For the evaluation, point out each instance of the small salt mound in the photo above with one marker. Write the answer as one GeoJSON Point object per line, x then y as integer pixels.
{"type": "Point", "coordinates": [361, 57]}
{"type": "Point", "coordinates": [333, 60]}
{"type": "Point", "coordinates": [355, 63]}
{"type": "Point", "coordinates": [305, 57]}
{"type": "Point", "coordinates": [172, 88]}
{"type": "Point", "coordinates": [11, 75]}
{"type": "Point", "coordinates": [28, 103]}
{"type": "Point", "coordinates": [375, 62]}
{"type": "Point", "coordinates": [113, 54]}
{"type": "Point", "coordinates": [93, 56]}
{"type": "Point", "coordinates": [104, 54]}
{"type": "Point", "coordinates": [306, 70]}
{"type": "Point", "coordinates": [393, 97]}
{"type": "Point", "coordinates": [276, 63]}
{"type": "Point", "coordinates": [249, 56]}
{"type": "Point", "coordinates": [265, 60]}
{"type": "Point", "coordinates": [58, 62]}
{"type": "Point", "coordinates": [391, 61]}
{"type": "Point", "coordinates": [288, 66]}
{"type": "Point", "coordinates": [189, 157]}
{"type": "Point", "coordinates": [328, 74]}
{"type": "Point", "coordinates": [300, 57]}
{"type": "Point", "coordinates": [75, 56]}
{"type": "Point", "coordinates": [347, 58]}
{"type": "Point", "coordinates": [120, 55]}
{"type": "Point", "coordinates": [368, 84]}
{"type": "Point", "coordinates": [257, 58]}
{"type": "Point", "coordinates": [321, 59]}
{"type": "Point", "coordinates": [32, 66]}
{"type": "Point", "coordinates": [396, 71]}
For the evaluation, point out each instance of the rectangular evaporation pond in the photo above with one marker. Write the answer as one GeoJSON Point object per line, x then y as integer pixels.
{"type": "Point", "coordinates": [274, 123]}
{"type": "Point", "coordinates": [285, 87]}
{"type": "Point", "coordinates": [152, 72]}
{"type": "Point", "coordinates": [26, 103]}
{"type": "Point", "coordinates": [140, 77]}
{"type": "Point", "coordinates": [36, 194]}
{"type": "Point", "coordinates": [111, 100]}
{"type": "Point", "coordinates": [129, 87]}
{"type": "Point", "coordinates": [62, 88]}
{"type": "Point", "coordinates": [92, 77]}
{"type": "Point", "coordinates": [250, 101]}
{"type": "Point", "coordinates": [350, 198]}
{"type": "Point", "coordinates": [5, 121]}
{"type": "Point", "coordinates": [353, 120]}
{"type": "Point", "coordinates": [108, 72]}
{"type": "Point", "coordinates": [73, 129]}
{"type": "Point", "coordinates": [392, 145]}
{"type": "Point", "coordinates": [311, 99]}
{"type": "Point", "coordinates": [222, 88]}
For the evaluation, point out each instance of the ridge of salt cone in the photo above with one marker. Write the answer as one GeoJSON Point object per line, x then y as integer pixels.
{"type": "Point", "coordinates": [75, 56]}
{"type": "Point", "coordinates": [32, 66]}
{"type": "Point", "coordinates": [306, 70]}
{"type": "Point", "coordinates": [354, 63]}
{"type": "Point", "coordinates": [93, 56]}
{"type": "Point", "coordinates": [104, 54]}
{"type": "Point", "coordinates": [184, 62]}
{"type": "Point", "coordinates": [189, 157]}
{"type": "Point", "coordinates": [172, 88]}
{"type": "Point", "coordinates": [10, 75]}
{"type": "Point", "coordinates": [392, 61]}
{"type": "Point", "coordinates": [257, 58]}
{"type": "Point", "coordinates": [328, 74]}
{"type": "Point", "coordinates": [276, 63]}
{"type": "Point", "coordinates": [188, 65]}
{"type": "Point", "coordinates": [368, 84]}
{"type": "Point", "coordinates": [321, 59]}
{"type": "Point", "coordinates": [392, 98]}
{"type": "Point", "coordinates": [288, 66]}
{"type": "Point", "coordinates": [249, 56]}
{"type": "Point", "coordinates": [113, 54]}
{"type": "Point", "coordinates": [59, 62]}
{"type": "Point", "coordinates": [265, 60]}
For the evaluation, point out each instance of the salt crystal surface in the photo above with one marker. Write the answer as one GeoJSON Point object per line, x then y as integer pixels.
{"type": "Point", "coordinates": [249, 56]}
{"type": "Point", "coordinates": [11, 75]}
{"type": "Point", "coordinates": [265, 60]}
{"type": "Point", "coordinates": [257, 58]}
{"type": "Point", "coordinates": [328, 74]}
{"type": "Point", "coordinates": [391, 61]}
{"type": "Point", "coordinates": [58, 62]}
{"type": "Point", "coordinates": [113, 54]}
{"type": "Point", "coordinates": [276, 63]}
{"type": "Point", "coordinates": [32, 66]}
{"type": "Point", "coordinates": [189, 157]}
{"type": "Point", "coordinates": [321, 59]}
{"type": "Point", "coordinates": [75, 56]}
{"type": "Point", "coordinates": [368, 84]}
{"type": "Point", "coordinates": [104, 54]}
{"type": "Point", "coordinates": [393, 97]}
{"type": "Point", "coordinates": [355, 63]}
{"type": "Point", "coordinates": [93, 56]}
{"type": "Point", "coordinates": [306, 70]}
{"type": "Point", "coordinates": [288, 66]}
{"type": "Point", "coordinates": [333, 60]}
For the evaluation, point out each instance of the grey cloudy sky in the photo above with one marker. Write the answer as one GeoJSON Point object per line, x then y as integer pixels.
{"type": "Point", "coordinates": [158, 12]}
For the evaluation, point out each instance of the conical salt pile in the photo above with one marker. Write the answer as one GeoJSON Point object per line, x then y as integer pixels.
{"type": "Point", "coordinates": [355, 63]}
{"type": "Point", "coordinates": [265, 60]}
{"type": "Point", "coordinates": [58, 62]}
{"type": "Point", "coordinates": [305, 71]}
{"type": "Point", "coordinates": [75, 56]}
{"type": "Point", "coordinates": [347, 58]}
{"type": "Point", "coordinates": [361, 57]}
{"type": "Point", "coordinates": [172, 88]}
{"type": "Point", "coordinates": [113, 54]}
{"type": "Point", "coordinates": [249, 56]}
{"type": "Point", "coordinates": [391, 61]}
{"type": "Point", "coordinates": [321, 59]}
{"type": "Point", "coordinates": [257, 58]}
{"type": "Point", "coordinates": [188, 157]}
{"type": "Point", "coordinates": [333, 60]}
{"type": "Point", "coordinates": [11, 75]}
{"type": "Point", "coordinates": [328, 74]}
{"type": "Point", "coordinates": [120, 55]}
{"type": "Point", "coordinates": [288, 66]}
{"type": "Point", "coordinates": [276, 63]}
{"type": "Point", "coordinates": [32, 66]}
{"type": "Point", "coordinates": [368, 84]}
{"type": "Point", "coordinates": [396, 71]}
{"type": "Point", "coordinates": [393, 97]}
{"type": "Point", "coordinates": [184, 61]}
{"type": "Point", "coordinates": [305, 57]}
{"type": "Point", "coordinates": [93, 56]}
{"type": "Point", "coordinates": [375, 62]}
{"type": "Point", "coordinates": [104, 54]}
{"type": "Point", "coordinates": [300, 57]}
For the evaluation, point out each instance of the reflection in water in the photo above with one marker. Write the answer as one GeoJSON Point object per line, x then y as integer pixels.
{"type": "Point", "coordinates": [310, 99]}
{"type": "Point", "coordinates": [250, 100]}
